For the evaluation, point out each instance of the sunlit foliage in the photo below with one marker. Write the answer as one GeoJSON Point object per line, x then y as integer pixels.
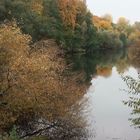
{"type": "Point", "coordinates": [122, 23]}
{"type": "Point", "coordinates": [68, 12]}
{"type": "Point", "coordinates": [108, 17]}
{"type": "Point", "coordinates": [102, 23]}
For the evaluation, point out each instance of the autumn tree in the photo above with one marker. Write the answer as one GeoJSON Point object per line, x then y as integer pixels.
{"type": "Point", "coordinates": [102, 23]}
{"type": "Point", "coordinates": [108, 17]}
{"type": "Point", "coordinates": [68, 12]}
{"type": "Point", "coordinates": [123, 26]}
{"type": "Point", "coordinates": [33, 79]}
{"type": "Point", "coordinates": [122, 21]}
{"type": "Point", "coordinates": [135, 34]}
{"type": "Point", "coordinates": [37, 6]}
{"type": "Point", "coordinates": [14, 48]}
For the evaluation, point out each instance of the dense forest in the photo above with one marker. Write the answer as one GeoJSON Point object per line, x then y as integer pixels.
{"type": "Point", "coordinates": [35, 38]}
{"type": "Point", "coordinates": [69, 22]}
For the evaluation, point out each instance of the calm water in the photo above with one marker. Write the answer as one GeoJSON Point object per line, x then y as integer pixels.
{"type": "Point", "coordinates": [110, 108]}
{"type": "Point", "coordinates": [104, 111]}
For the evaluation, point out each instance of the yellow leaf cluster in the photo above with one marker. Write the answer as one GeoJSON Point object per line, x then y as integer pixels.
{"type": "Point", "coordinates": [37, 6]}
{"type": "Point", "coordinates": [102, 23]}
{"type": "Point", "coordinates": [68, 12]}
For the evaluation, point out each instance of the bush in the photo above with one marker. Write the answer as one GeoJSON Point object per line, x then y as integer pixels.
{"type": "Point", "coordinates": [109, 39]}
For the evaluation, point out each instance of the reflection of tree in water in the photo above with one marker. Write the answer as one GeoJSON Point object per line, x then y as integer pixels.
{"type": "Point", "coordinates": [134, 54]}
{"type": "Point", "coordinates": [98, 62]}
{"type": "Point", "coordinates": [134, 99]}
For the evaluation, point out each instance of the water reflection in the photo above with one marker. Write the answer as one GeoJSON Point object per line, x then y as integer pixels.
{"type": "Point", "coordinates": [100, 62]}
{"type": "Point", "coordinates": [104, 111]}
{"type": "Point", "coordinates": [103, 106]}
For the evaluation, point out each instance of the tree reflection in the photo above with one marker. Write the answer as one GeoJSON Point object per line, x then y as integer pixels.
{"type": "Point", "coordinates": [134, 54]}
{"type": "Point", "coordinates": [99, 63]}
{"type": "Point", "coordinates": [134, 99]}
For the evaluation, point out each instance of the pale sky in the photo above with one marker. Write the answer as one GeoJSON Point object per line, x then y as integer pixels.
{"type": "Point", "coordinates": [130, 9]}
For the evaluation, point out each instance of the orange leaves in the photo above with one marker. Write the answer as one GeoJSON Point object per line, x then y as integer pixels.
{"type": "Point", "coordinates": [13, 42]}
{"type": "Point", "coordinates": [13, 49]}
{"type": "Point", "coordinates": [101, 23]}
{"type": "Point", "coordinates": [68, 11]}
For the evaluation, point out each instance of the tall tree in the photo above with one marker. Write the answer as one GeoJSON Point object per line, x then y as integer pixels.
{"type": "Point", "coordinates": [68, 12]}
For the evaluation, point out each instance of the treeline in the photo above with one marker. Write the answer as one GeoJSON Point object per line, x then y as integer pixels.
{"type": "Point", "coordinates": [120, 34]}
{"type": "Point", "coordinates": [70, 23]}
{"type": "Point", "coordinates": [67, 21]}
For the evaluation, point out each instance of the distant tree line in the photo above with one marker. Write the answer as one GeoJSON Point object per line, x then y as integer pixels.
{"type": "Point", "coordinates": [70, 23]}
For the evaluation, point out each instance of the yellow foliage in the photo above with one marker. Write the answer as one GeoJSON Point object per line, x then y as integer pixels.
{"type": "Point", "coordinates": [37, 6]}
{"type": "Point", "coordinates": [134, 36]}
{"type": "Point", "coordinates": [122, 21]}
{"type": "Point", "coordinates": [35, 80]}
{"type": "Point", "coordinates": [69, 10]}
{"type": "Point", "coordinates": [108, 17]}
{"type": "Point", "coordinates": [102, 23]}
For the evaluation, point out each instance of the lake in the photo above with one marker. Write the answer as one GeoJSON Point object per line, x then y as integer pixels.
{"type": "Point", "coordinates": [104, 111]}
{"type": "Point", "coordinates": [111, 107]}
